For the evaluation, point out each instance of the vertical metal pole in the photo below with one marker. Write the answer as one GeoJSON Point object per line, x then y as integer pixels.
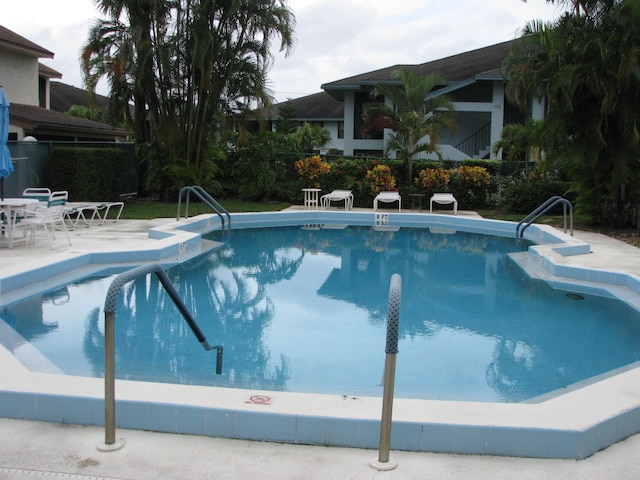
{"type": "Point", "coordinates": [110, 444]}
{"type": "Point", "coordinates": [109, 379]}
{"type": "Point", "coordinates": [393, 320]}
{"type": "Point", "coordinates": [387, 407]}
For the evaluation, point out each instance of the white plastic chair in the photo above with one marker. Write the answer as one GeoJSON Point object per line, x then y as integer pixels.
{"type": "Point", "coordinates": [338, 196]}
{"type": "Point", "coordinates": [444, 199]}
{"type": "Point", "coordinates": [48, 217]}
{"type": "Point", "coordinates": [41, 194]}
{"type": "Point", "coordinates": [387, 197]}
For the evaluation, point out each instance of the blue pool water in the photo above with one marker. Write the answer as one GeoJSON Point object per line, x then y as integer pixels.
{"type": "Point", "coordinates": [304, 308]}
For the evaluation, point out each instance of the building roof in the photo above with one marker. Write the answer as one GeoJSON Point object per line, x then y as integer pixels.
{"type": "Point", "coordinates": [48, 72]}
{"type": "Point", "coordinates": [316, 107]}
{"type": "Point", "coordinates": [12, 41]}
{"type": "Point", "coordinates": [63, 97]}
{"type": "Point", "coordinates": [456, 68]}
{"type": "Point", "coordinates": [50, 123]}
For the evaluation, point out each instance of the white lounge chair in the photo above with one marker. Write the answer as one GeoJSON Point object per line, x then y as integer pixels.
{"type": "Point", "coordinates": [444, 199]}
{"type": "Point", "coordinates": [345, 196]}
{"type": "Point", "coordinates": [387, 197]}
{"type": "Point", "coordinates": [89, 212]}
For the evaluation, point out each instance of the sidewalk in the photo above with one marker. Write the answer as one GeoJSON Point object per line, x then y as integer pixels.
{"type": "Point", "coordinates": [31, 450]}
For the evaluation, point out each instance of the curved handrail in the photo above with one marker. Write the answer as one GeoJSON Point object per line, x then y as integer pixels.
{"type": "Point", "coordinates": [109, 338]}
{"type": "Point", "coordinates": [205, 197]}
{"type": "Point", "coordinates": [544, 208]}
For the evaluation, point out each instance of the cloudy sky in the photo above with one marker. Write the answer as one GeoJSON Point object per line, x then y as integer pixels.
{"type": "Point", "coordinates": [335, 39]}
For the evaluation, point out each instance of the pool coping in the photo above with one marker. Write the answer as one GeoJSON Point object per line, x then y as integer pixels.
{"type": "Point", "coordinates": [575, 424]}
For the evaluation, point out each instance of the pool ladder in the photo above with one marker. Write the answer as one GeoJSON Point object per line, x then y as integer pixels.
{"type": "Point", "coordinates": [544, 208]}
{"type": "Point", "coordinates": [109, 342]}
{"type": "Point", "coordinates": [208, 200]}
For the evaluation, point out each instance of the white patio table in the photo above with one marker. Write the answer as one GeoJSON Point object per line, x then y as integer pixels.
{"type": "Point", "coordinates": [9, 208]}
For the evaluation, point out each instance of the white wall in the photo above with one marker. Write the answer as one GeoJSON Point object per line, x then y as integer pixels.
{"type": "Point", "coordinates": [335, 142]}
{"type": "Point", "coordinates": [349, 106]}
{"type": "Point", "coordinates": [19, 77]}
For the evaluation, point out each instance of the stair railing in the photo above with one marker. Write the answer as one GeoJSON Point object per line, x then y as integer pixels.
{"type": "Point", "coordinates": [109, 342]}
{"type": "Point", "coordinates": [207, 199]}
{"type": "Point", "coordinates": [475, 142]}
{"type": "Point", "coordinates": [544, 208]}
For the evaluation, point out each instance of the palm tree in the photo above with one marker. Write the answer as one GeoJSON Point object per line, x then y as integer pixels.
{"type": "Point", "coordinates": [186, 65]}
{"type": "Point", "coordinates": [416, 115]}
{"type": "Point", "coordinates": [585, 66]}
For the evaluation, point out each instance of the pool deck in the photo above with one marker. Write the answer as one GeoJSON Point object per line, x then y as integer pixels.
{"type": "Point", "coordinates": [31, 449]}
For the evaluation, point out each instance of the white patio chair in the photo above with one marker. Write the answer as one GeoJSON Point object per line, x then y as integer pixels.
{"type": "Point", "coordinates": [48, 217]}
{"type": "Point", "coordinates": [387, 197]}
{"type": "Point", "coordinates": [444, 199]}
{"type": "Point", "coordinates": [41, 194]}
{"type": "Point", "coordinates": [338, 196]}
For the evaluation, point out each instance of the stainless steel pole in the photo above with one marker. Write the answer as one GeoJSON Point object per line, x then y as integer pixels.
{"type": "Point", "coordinates": [109, 379]}
{"type": "Point", "coordinates": [387, 407]}
{"type": "Point", "coordinates": [393, 320]}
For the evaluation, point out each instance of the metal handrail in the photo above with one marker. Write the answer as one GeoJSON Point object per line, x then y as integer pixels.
{"type": "Point", "coordinates": [109, 340]}
{"type": "Point", "coordinates": [544, 208]}
{"type": "Point", "coordinates": [391, 350]}
{"type": "Point", "coordinates": [205, 197]}
{"type": "Point", "coordinates": [474, 143]}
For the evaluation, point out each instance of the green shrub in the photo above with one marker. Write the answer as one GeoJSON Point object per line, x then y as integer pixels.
{"type": "Point", "coordinates": [260, 167]}
{"type": "Point", "coordinates": [469, 184]}
{"type": "Point", "coordinates": [525, 191]}
{"type": "Point", "coordinates": [88, 174]}
{"type": "Point", "coordinates": [351, 174]}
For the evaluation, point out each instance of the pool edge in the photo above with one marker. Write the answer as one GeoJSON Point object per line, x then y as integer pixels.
{"type": "Point", "coordinates": [447, 427]}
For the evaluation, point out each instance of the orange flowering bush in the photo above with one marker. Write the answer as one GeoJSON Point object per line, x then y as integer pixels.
{"type": "Point", "coordinates": [380, 179]}
{"type": "Point", "coordinates": [473, 176]}
{"type": "Point", "coordinates": [312, 169]}
{"type": "Point", "coordinates": [433, 179]}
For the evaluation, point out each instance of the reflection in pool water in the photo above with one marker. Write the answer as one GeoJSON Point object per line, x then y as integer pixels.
{"type": "Point", "coordinates": [304, 308]}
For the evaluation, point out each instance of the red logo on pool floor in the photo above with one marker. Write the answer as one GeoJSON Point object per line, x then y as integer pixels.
{"type": "Point", "coordinates": [259, 400]}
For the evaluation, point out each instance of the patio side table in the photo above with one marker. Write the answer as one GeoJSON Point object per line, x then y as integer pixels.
{"type": "Point", "coordinates": [311, 196]}
{"type": "Point", "coordinates": [416, 200]}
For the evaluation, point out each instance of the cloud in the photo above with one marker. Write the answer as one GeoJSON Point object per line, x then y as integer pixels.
{"type": "Point", "coordinates": [340, 39]}
{"type": "Point", "coordinates": [335, 38]}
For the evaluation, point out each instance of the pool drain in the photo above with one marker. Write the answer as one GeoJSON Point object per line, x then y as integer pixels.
{"type": "Point", "coordinates": [575, 296]}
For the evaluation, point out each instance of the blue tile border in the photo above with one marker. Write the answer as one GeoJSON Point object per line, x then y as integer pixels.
{"type": "Point", "coordinates": [328, 431]}
{"type": "Point", "coordinates": [533, 442]}
{"type": "Point", "coordinates": [251, 425]}
{"type": "Point", "coordinates": [190, 420]}
{"type": "Point", "coordinates": [312, 430]}
{"type": "Point", "coordinates": [220, 423]}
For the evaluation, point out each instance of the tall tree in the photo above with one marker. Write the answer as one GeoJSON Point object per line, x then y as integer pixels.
{"type": "Point", "coordinates": [186, 65]}
{"type": "Point", "coordinates": [415, 115]}
{"type": "Point", "coordinates": [586, 67]}
{"type": "Point", "coordinates": [286, 122]}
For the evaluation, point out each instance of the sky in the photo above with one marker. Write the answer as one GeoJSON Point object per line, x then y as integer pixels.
{"type": "Point", "coordinates": [335, 39]}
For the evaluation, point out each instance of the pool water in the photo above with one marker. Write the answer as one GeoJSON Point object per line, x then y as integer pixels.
{"type": "Point", "coordinates": [304, 308]}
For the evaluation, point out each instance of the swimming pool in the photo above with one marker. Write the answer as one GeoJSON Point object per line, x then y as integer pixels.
{"type": "Point", "coordinates": [572, 425]}
{"type": "Point", "coordinates": [303, 309]}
